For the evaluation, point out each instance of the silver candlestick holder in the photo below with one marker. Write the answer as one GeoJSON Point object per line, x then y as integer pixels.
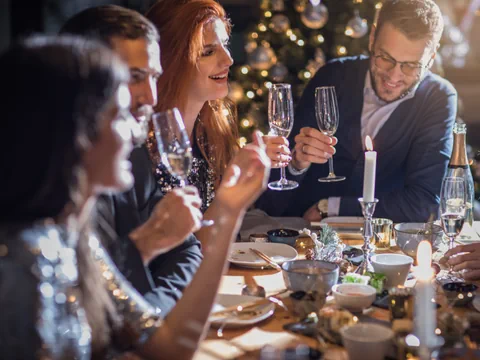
{"type": "Point", "coordinates": [368, 208]}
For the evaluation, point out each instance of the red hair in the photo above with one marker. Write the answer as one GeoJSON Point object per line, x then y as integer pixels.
{"type": "Point", "coordinates": [180, 24]}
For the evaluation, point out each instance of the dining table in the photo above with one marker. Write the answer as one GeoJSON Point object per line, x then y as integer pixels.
{"type": "Point", "coordinates": [247, 342]}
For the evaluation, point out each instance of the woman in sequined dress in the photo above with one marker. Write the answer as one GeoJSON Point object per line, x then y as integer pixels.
{"type": "Point", "coordinates": [196, 60]}
{"type": "Point", "coordinates": [65, 139]}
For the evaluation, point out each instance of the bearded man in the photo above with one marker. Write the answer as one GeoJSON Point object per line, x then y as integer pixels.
{"type": "Point", "coordinates": [391, 96]}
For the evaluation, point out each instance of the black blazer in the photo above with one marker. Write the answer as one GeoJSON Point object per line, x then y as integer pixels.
{"type": "Point", "coordinates": [163, 281]}
{"type": "Point", "coordinates": [413, 148]}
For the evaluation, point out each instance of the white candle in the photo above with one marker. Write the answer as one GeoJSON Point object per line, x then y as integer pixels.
{"type": "Point", "coordinates": [425, 311]}
{"type": "Point", "coordinates": [369, 174]}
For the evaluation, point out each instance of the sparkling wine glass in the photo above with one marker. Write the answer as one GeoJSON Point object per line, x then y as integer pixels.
{"type": "Point", "coordinates": [174, 146]}
{"type": "Point", "coordinates": [326, 112]}
{"type": "Point", "coordinates": [280, 119]}
{"type": "Point", "coordinates": [453, 200]}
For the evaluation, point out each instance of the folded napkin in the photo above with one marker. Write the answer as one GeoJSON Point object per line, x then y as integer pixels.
{"type": "Point", "coordinates": [253, 340]}
{"type": "Point", "coordinates": [256, 339]}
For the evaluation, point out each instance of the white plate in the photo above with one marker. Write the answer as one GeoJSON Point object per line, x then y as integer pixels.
{"type": "Point", "coordinates": [242, 256]}
{"type": "Point", "coordinates": [263, 311]}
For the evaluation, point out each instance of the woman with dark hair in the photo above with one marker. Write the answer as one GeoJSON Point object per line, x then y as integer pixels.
{"type": "Point", "coordinates": [60, 294]}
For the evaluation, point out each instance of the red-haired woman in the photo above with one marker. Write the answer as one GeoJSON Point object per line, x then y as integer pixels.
{"type": "Point", "coordinates": [196, 60]}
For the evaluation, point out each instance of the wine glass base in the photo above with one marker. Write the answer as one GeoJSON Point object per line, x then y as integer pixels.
{"type": "Point", "coordinates": [332, 179]}
{"type": "Point", "coordinates": [283, 185]}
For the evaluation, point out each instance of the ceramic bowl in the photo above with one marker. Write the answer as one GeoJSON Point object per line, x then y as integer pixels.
{"type": "Point", "coordinates": [354, 297]}
{"type": "Point", "coordinates": [310, 275]}
{"type": "Point", "coordinates": [394, 266]}
{"type": "Point", "coordinates": [283, 236]}
{"type": "Point", "coordinates": [409, 235]}
{"type": "Point", "coordinates": [367, 341]}
{"type": "Point", "coordinates": [459, 293]}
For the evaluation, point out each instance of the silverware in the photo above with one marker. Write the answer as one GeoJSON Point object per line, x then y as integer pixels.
{"type": "Point", "coordinates": [267, 258]}
{"type": "Point", "coordinates": [251, 288]}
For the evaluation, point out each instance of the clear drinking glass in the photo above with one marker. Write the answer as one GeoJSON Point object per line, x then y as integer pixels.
{"type": "Point", "coordinates": [174, 146]}
{"type": "Point", "coordinates": [453, 200]}
{"type": "Point", "coordinates": [453, 207]}
{"type": "Point", "coordinates": [280, 119]}
{"type": "Point", "coordinates": [326, 112]}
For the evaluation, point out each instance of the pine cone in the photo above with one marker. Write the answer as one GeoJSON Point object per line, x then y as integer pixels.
{"type": "Point", "coordinates": [310, 254]}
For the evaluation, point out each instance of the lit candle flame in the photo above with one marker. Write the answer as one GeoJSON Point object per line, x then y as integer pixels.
{"type": "Point", "coordinates": [424, 261]}
{"type": "Point", "coordinates": [368, 143]}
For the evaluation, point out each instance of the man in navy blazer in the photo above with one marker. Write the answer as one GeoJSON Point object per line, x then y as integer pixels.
{"type": "Point", "coordinates": [137, 225]}
{"type": "Point", "coordinates": [390, 96]}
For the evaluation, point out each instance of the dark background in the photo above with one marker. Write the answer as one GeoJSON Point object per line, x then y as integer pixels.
{"type": "Point", "coordinates": [21, 17]}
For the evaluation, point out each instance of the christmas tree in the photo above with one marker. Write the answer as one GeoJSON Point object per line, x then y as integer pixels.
{"type": "Point", "coordinates": [290, 42]}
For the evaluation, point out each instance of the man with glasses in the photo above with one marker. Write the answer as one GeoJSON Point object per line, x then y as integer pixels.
{"type": "Point", "coordinates": [390, 96]}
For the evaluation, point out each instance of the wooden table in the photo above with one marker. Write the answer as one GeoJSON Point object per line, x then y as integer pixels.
{"type": "Point", "coordinates": [272, 280]}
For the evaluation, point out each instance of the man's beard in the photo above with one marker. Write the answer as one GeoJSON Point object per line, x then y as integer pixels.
{"type": "Point", "coordinates": [402, 95]}
{"type": "Point", "coordinates": [141, 135]}
{"type": "Point", "coordinates": [140, 129]}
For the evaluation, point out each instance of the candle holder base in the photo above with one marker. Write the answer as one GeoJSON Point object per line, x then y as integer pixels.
{"type": "Point", "coordinates": [368, 208]}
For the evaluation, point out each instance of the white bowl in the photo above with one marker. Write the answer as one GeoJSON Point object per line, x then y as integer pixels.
{"type": "Point", "coordinates": [367, 341]}
{"type": "Point", "coordinates": [354, 297]}
{"type": "Point", "coordinates": [394, 266]}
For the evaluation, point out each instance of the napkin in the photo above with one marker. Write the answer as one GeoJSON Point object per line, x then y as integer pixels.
{"type": "Point", "coordinates": [217, 349]}
{"type": "Point", "coordinates": [256, 338]}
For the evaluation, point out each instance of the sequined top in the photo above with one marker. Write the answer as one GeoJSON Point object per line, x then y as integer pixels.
{"type": "Point", "coordinates": [41, 302]}
{"type": "Point", "coordinates": [201, 175]}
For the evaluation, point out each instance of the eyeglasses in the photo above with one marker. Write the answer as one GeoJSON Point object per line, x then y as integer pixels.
{"type": "Point", "coordinates": [388, 63]}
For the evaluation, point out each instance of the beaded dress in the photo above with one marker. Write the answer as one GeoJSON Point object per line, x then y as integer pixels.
{"type": "Point", "coordinates": [201, 175]}
{"type": "Point", "coordinates": [41, 302]}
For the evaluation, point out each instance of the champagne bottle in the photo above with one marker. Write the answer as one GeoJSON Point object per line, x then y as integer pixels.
{"type": "Point", "coordinates": [459, 166]}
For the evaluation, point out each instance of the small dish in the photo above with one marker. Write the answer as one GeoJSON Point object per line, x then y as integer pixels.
{"type": "Point", "coordinates": [283, 236]}
{"type": "Point", "coordinates": [367, 341]}
{"type": "Point", "coordinates": [354, 297]}
{"type": "Point", "coordinates": [459, 293]}
{"type": "Point", "coordinates": [394, 266]}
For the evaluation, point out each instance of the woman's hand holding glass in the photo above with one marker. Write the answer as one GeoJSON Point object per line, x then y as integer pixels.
{"type": "Point", "coordinates": [174, 146]}
{"type": "Point", "coordinates": [277, 150]}
{"type": "Point", "coordinates": [280, 119]}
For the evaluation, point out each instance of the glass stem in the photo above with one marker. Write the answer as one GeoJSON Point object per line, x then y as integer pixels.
{"type": "Point", "coordinates": [183, 182]}
{"type": "Point", "coordinates": [330, 166]}
{"type": "Point", "coordinates": [283, 178]}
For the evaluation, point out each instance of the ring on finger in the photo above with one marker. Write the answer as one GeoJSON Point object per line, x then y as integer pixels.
{"type": "Point", "coordinates": [303, 149]}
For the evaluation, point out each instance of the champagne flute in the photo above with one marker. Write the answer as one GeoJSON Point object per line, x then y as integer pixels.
{"type": "Point", "coordinates": [280, 119]}
{"type": "Point", "coordinates": [453, 201]}
{"type": "Point", "coordinates": [174, 146]}
{"type": "Point", "coordinates": [326, 112]}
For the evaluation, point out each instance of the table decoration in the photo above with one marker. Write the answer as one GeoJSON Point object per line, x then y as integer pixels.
{"type": "Point", "coordinates": [425, 309]}
{"type": "Point", "coordinates": [368, 208]}
{"type": "Point", "coordinates": [369, 171]}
